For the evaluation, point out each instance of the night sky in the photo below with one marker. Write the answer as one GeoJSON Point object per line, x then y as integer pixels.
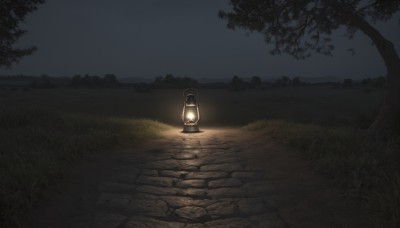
{"type": "Point", "coordinates": [149, 38]}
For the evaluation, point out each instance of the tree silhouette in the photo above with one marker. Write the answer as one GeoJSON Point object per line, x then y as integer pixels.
{"type": "Point", "coordinates": [110, 80]}
{"type": "Point", "coordinates": [256, 81]}
{"type": "Point", "coordinates": [379, 82]}
{"type": "Point", "coordinates": [76, 80]}
{"type": "Point", "coordinates": [237, 84]}
{"type": "Point", "coordinates": [301, 28]}
{"type": "Point", "coordinates": [347, 83]}
{"type": "Point", "coordinates": [171, 81]}
{"type": "Point", "coordinates": [296, 81]}
{"type": "Point", "coordinates": [13, 12]}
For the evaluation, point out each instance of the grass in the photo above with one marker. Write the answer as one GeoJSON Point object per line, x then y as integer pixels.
{"type": "Point", "coordinates": [37, 145]}
{"type": "Point", "coordinates": [369, 171]}
{"type": "Point", "coordinates": [317, 104]}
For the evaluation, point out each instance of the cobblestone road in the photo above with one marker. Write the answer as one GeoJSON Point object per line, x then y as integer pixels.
{"type": "Point", "coordinates": [194, 180]}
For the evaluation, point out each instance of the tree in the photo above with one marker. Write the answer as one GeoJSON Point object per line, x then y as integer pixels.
{"type": "Point", "coordinates": [86, 81]}
{"type": "Point", "coordinates": [347, 83]}
{"type": "Point", "coordinates": [110, 80]}
{"type": "Point", "coordinates": [296, 81]}
{"type": "Point", "coordinates": [366, 81]}
{"type": "Point", "coordinates": [256, 81]}
{"type": "Point", "coordinates": [379, 82]}
{"type": "Point", "coordinates": [169, 78]}
{"type": "Point", "coordinates": [301, 28]}
{"type": "Point", "coordinates": [286, 79]}
{"type": "Point", "coordinates": [76, 80]}
{"type": "Point", "coordinates": [237, 83]}
{"type": "Point", "coordinates": [13, 12]}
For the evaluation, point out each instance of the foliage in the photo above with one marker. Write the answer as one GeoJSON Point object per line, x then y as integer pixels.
{"type": "Point", "coordinates": [12, 13]}
{"type": "Point", "coordinates": [285, 81]}
{"type": "Point", "coordinates": [43, 82]}
{"type": "Point", "coordinates": [237, 84]}
{"type": "Point", "coordinates": [37, 146]}
{"type": "Point", "coordinates": [378, 82]}
{"type": "Point", "coordinates": [88, 81]}
{"type": "Point", "coordinates": [256, 81]}
{"type": "Point", "coordinates": [296, 81]}
{"type": "Point", "coordinates": [369, 171]}
{"type": "Point", "coordinates": [170, 81]}
{"type": "Point", "coordinates": [347, 83]}
{"type": "Point", "coordinates": [302, 27]}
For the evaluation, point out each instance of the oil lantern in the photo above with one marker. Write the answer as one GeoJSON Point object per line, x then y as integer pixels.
{"type": "Point", "coordinates": [190, 112]}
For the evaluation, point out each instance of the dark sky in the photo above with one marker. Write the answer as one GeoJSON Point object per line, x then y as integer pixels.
{"type": "Point", "coordinates": [149, 38]}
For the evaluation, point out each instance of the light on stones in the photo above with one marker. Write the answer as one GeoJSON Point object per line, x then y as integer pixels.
{"type": "Point", "coordinates": [190, 112]}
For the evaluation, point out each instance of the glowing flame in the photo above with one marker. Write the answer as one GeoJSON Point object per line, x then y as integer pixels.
{"type": "Point", "coordinates": [190, 116]}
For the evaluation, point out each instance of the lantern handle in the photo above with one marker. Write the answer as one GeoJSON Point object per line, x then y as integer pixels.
{"type": "Point", "coordinates": [190, 89]}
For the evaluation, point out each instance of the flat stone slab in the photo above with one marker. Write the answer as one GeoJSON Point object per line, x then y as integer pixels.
{"type": "Point", "coordinates": [191, 212]}
{"type": "Point", "coordinates": [259, 221]}
{"type": "Point", "coordinates": [184, 156]}
{"type": "Point", "coordinates": [218, 159]}
{"type": "Point", "coordinates": [139, 222]}
{"type": "Point", "coordinates": [178, 165]}
{"type": "Point", "coordinates": [227, 167]}
{"type": "Point", "coordinates": [180, 201]}
{"type": "Point", "coordinates": [154, 207]}
{"type": "Point", "coordinates": [222, 208]}
{"type": "Point", "coordinates": [195, 192]}
{"type": "Point", "coordinates": [157, 190]}
{"type": "Point", "coordinates": [175, 174]}
{"type": "Point", "coordinates": [232, 223]}
{"type": "Point", "coordinates": [195, 225]}
{"type": "Point", "coordinates": [206, 175]}
{"type": "Point", "coordinates": [191, 184]}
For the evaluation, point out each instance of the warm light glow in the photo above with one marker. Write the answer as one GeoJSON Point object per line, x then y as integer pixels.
{"type": "Point", "coordinates": [190, 116]}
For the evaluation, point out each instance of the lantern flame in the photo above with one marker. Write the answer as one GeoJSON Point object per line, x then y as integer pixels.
{"type": "Point", "coordinates": [190, 116]}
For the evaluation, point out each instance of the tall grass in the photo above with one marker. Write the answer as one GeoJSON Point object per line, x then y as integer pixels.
{"type": "Point", "coordinates": [36, 146]}
{"type": "Point", "coordinates": [369, 171]}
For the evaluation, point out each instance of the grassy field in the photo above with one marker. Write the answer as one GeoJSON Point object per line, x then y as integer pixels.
{"type": "Point", "coordinates": [42, 130]}
{"type": "Point", "coordinates": [37, 145]}
{"type": "Point", "coordinates": [367, 171]}
{"type": "Point", "coordinates": [316, 104]}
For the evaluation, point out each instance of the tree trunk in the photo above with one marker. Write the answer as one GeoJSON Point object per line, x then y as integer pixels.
{"type": "Point", "coordinates": [387, 123]}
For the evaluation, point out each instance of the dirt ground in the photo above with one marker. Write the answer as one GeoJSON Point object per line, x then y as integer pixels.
{"type": "Point", "coordinates": [221, 177]}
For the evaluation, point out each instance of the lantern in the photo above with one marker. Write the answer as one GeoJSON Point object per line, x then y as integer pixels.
{"type": "Point", "coordinates": [190, 112]}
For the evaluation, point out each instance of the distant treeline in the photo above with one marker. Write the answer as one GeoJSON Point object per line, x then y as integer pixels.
{"type": "Point", "coordinates": [170, 81]}
{"type": "Point", "coordinates": [108, 80]}
{"type": "Point", "coordinates": [46, 82]}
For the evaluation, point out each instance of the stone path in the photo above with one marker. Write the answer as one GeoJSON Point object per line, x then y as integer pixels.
{"type": "Point", "coordinates": [194, 180]}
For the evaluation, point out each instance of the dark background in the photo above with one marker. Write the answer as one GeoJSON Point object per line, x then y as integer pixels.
{"type": "Point", "coordinates": [149, 38]}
